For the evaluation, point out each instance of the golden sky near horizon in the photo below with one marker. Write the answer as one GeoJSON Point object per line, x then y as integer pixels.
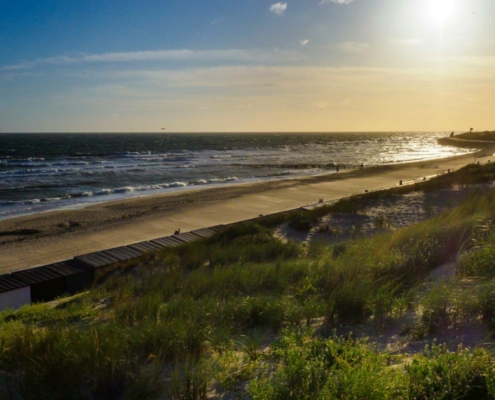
{"type": "Point", "coordinates": [323, 65]}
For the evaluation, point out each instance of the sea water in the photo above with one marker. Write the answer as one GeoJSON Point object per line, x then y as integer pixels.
{"type": "Point", "coordinates": [42, 172]}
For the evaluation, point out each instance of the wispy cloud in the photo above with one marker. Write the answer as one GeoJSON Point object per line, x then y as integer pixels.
{"type": "Point", "coordinates": [336, 1]}
{"type": "Point", "coordinates": [229, 55]}
{"type": "Point", "coordinates": [278, 8]}
{"type": "Point", "coordinates": [321, 104]}
{"type": "Point", "coordinates": [304, 42]}
{"type": "Point", "coordinates": [354, 47]}
{"type": "Point", "coordinates": [15, 75]}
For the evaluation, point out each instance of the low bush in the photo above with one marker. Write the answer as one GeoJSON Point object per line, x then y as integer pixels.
{"type": "Point", "coordinates": [302, 221]}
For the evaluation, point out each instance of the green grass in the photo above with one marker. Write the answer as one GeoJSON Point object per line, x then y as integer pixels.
{"type": "Point", "coordinates": [301, 366]}
{"type": "Point", "coordinates": [246, 312]}
{"type": "Point", "coordinates": [303, 220]}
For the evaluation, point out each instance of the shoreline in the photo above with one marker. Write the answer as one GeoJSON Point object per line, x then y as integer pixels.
{"type": "Point", "coordinates": [248, 181]}
{"type": "Point", "coordinates": [61, 234]}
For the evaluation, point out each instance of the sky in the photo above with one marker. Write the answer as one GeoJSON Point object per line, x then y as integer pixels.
{"type": "Point", "coordinates": [246, 65]}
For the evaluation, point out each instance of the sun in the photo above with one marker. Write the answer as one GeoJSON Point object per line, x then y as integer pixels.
{"type": "Point", "coordinates": [441, 10]}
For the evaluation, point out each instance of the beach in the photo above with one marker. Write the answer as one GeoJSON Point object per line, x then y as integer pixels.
{"type": "Point", "coordinates": [44, 238]}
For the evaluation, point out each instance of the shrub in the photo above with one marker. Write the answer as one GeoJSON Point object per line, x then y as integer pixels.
{"type": "Point", "coordinates": [302, 221]}
{"type": "Point", "coordinates": [440, 374]}
{"type": "Point", "coordinates": [480, 262]}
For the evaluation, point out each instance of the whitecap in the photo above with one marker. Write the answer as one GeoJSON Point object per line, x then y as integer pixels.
{"type": "Point", "coordinates": [178, 184]}
{"type": "Point", "coordinates": [52, 199]}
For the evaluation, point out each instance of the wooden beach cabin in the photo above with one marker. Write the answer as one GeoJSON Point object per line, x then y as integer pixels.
{"type": "Point", "coordinates": [76, 277]}
{"type": "Point", "coordinates": [51, 281]}
{"type": "Point", "coordinates": [99, 263]}
{"type": "Point", "coordinates": [45, 284]}
{"type": "Point", "coordinates": [203, 233]}
{"type": "Point", "coordinates": [186, 237]}
{"type": "Point", "coordinates": [14, 293]}
{"type": "Point", "coordinates": [145, 247]}
{"type": "Point", "coordinates": [167, 241]}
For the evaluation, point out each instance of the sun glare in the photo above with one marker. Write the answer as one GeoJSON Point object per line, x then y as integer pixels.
{"type": "Point", "coordinates": [441, 10]}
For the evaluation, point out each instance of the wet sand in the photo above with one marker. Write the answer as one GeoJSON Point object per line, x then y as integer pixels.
{"type": "Point", "coordinates": [44, 238]}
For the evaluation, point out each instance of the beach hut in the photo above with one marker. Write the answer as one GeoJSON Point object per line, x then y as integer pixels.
{"type": "Point", "coordinates": [14, 293]}
{"type": "Point", "coordinates": [123, 253]}
{"type": "Point", "coordinates": [145, 247]}
{"type": "Point", "coordinates": [168, 241]}
{"type": "Point", "coordinates": [45, 284]}
{"type": "Point", "coordinates": [203, 233]}
{"type": "Point", "coordinates": [185, 237]}
{"type": "Point", "coordinates": [76, 277]}
{"type": "Point", "coordinates": [99, 263]}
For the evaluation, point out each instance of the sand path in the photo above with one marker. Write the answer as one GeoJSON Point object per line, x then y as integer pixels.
{"type": "Point", "coordinates": [65, 234]}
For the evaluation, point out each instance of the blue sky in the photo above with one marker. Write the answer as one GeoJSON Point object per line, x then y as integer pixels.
{"type": "Point", "coordinates": [252, 65]}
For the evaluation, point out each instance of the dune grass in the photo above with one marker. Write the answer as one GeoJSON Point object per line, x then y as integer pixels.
{"type": "Point", "coordinates": [245, 313]}
{"type": "Point", "coordinates": [303, 220]}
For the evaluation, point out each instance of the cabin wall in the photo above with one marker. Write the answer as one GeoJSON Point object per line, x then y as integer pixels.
{"type": "Point", "coordinates": [47, 291]}
{"type": "Point", "coordinates": [78, 283]}
{"type": "Point", "coordinates": [15, 298]}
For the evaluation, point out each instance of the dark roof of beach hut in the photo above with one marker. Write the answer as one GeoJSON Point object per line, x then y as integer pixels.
{"type": "Point", "coordinates": [217, 228]}
{"type": "Point", "coordinates": [185, 237]}
{"type": "Point", "coordinates": [67, 268]}
{"type": "Point", "coordinates": [123, 253]}
{"type": "Point", "coordinates": [167, 241]}
{"type": "Point", "coordinates": [203, 233]}
{"type": "Point", "coordinates": [9, 283]}
{"type": "Point", "coordinates": [97, 259]}
{"type": "Point", "coordinates": [37, 275]}
{"type": "Point", "coordinates": [145, 247]}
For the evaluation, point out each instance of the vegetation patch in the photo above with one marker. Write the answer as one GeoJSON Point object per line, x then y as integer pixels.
{"type": "Point", "coordinates": [245, 314]}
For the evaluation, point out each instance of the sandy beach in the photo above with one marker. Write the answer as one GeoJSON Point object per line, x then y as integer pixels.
{"type": "Point", "coordinates": [40, 239]}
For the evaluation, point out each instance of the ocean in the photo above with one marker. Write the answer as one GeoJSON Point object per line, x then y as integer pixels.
{"type": "Point", "coordinates": [42, 172]}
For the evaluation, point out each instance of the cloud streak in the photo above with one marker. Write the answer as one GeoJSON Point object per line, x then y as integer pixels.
{"type": "Point", "coordinates": [229, 55]}
{"type": "Point", "coordinates": [335, 1]}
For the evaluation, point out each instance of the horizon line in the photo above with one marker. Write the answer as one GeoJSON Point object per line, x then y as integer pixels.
{"type": "Point", "coordinates": [232, 132]}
